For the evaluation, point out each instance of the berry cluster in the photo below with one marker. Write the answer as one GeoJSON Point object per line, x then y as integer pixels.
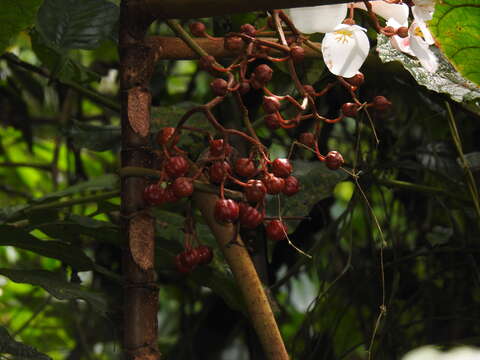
{"type": "Point", "coordinates": [190, 258]}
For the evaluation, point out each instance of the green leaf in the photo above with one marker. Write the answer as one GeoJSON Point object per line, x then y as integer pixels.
{"type": "Point", "coordinates": [445, 80]}
{"type": "Point", "coordinates": [72, 24]}
{"type": "Point", "coordinates": [69, 254]}
{"type": "Point", "coordinates": [96, 138]}
{"type": "Point", "coordinates": [57, 286]}
{"type": "Point", "coordinates": [61, 66]}
{"type": "Point", "coordinates": [8, 345]}
{"type": "Point", "coordinates": [317, 183]}
{"type": "Point", "coordinates": [15, 16]}
{"type": "Point", "coordinates": [455, 25]}
{"type": "Point", "coordinates": [103, 182]}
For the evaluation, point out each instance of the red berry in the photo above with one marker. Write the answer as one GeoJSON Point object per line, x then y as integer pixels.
{"type": "Point", "coordinates": [381, 103]}
{"type": "Point", "coordinates": [169, 195]}
{"type": "Point", "coordinates": [274, 184]}
{"type": "Point", "coordinates": [205, 254]}
{"type": "Point", "coordinates": [217, 147]}
{"type": "Point", "coordinates": [154, 194]}
{"type": "Point", "coordinates": [276, 230]}
{"type": "Point", "coordinates": [233, 43]}
{"type": "Point", "coordinates": [182, 187]}
{"type": "Point", "coordinates": [334, 160]}
{"type": "Point", "coordinates": [281, 168]}
{"type": "Point", "coordinates": [245, 167]}
{"type": "Point", "coordinates": [356, 80]}
{"type": "Point", "coordinates": [197, 28]}
{"type": "Point", "coordinates": [271, 104]}
{"type": "Point", "coordinates": [307, 139]}
{"type": "Point", "coordinates": [226, 210]}
{"type": "Point", "coordinates": [189, 258]}
{"type": "Point", "coordinates": [248, 29]}
{"type": "Point", "coordinates": [165, 135]}
{"type": "Point", "coordinates": [350, 109]}
{"type": "Point", "coordinates": [255, 191]}
{"type": "Point", "coordinates": [219, 87]}
{"type": "Point", "coordinates": [218, 171]}
{"type": "Point", "coordinates": [249, 216]}
{"type": "Point", "coordinates": [244, 87]}
{"type": "Point", "coordinates": [402, 32]}
{"type": "Point", "coordinates": [292, 186]}
{"type": "Point", "coordinates": [263, 73]}
{"type": "Point", "coordinates": [181, 267]}
{"type": "Point", "coordinates": [272, 121]}
{"type": "Point", "coordinates": [176, 166]}
{"type": "Point", "coordinates": [297, 53]}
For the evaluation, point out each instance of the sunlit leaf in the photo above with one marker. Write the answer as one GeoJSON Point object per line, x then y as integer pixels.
{"type": "Point", "coordinates": [15, 16]}
{"type": "Point", "coordinates": [455, 27]}
{"type": "Point", "coordinates": [57, 286]}
{"type": "Point", "coordinates": [445, 80]}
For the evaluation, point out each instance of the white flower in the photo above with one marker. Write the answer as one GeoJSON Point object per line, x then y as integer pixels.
{"type": "Point", "coordinates": [431, 353]}
{"type": "Point", "coordinates": [320, 19]}
{"type": "Point", "coordinates": [399, 12]}
{"type": "Point", "coordinates": [345, 49]}
{"type": "Point", "coordinates": [420, 47]}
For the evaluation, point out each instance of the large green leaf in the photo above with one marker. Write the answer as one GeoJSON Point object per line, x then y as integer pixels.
{"type": "Point", "coordinates": [456, 28]}
{"type": "Point", "coordinates": [69, 254]}
{"type": "Point", "coordinates": [72, 24]}
{"type": "Point", "coordinates": [57, 286]}
{"type": "Point", "coordinates": [8, 345]}
{"type": "Point", "coordinates": [445, 80]}
{"type": "Point", "coordinates": [15, 16]}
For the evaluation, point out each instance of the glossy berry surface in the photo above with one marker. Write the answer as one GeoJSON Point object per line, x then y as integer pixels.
{"type": "Point", "coordinates": [276, 230]}
{"type": "Point", "coordinates": [263, 73]}
{"type": "Point", "coordinates": [226, 210]}
{"type": "Point", "coordinates": [250, 217]}
{"type": "Point", "coordinates": [274, 184]}
{"type": "Point", "coordinates": [154, 194]}
{"type": "Point", "coordinates": [292, 186]}
{"type": "Point", "coordinates": [219, 87]}
{"type": "Point", "coordinates": [164, 135]}
{"type": "Point", "coordinates": [218, 171]}
{"type": "Point", "coordinates": [217, 147]}
{"type": "Point", "coordinates": [350, 109]}
{"type": "Point", "coordinates": [204, 254]}
{"type": "Point", "coordinates": [334, 160]}
{"type": "Point", "coordinates": [181, 266]}
{"type": "Point", "coordinates": [282, 167]}
{"type": "Point", "coordinates": [182, 187]}
{"type": "Point", "coordinates": [271, 104]}
{"type": "Point", "coordinates": [255, 191]}
{"type": "Point", "coordinates": [176, 166]}
{"type": "Point", "coordinates": [245, 167]}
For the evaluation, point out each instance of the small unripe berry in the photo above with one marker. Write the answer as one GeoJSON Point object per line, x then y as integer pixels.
{"type": "Point", "coordinates": [226, 210]}
{"type": "Point", "coordinates": [402, 32]}
{"type": "Point", "coordinates": [271, 104]}
{"type": "Point", "coordinates": [292, 186]}
{"type": "Point", "coordinates": [198, 28]}
{"type": "Point", "coordinates": [281, 168]}
{"type": "Point", "coordinates": [350, 109]}
{"type": "Point", "coordinates": [272, 121]}
{"type": "Point", "coordinates": [334, 160]}
{"type": "Point", "coordinates": [381, 103]}
{"type": "Point", "coordinates": [219, 87]}
{"type": "Point", "coordinates": [276, 230]}
{"type": "Point", "coordinates": [263, 73]}
{"type": "Point", "coordinates": [255, 191]}
{"type": "Point", "coordinates": [245, 167]}
{"type": "Point", "coordinates": [297, 53]}
{"type": "Point", "coordinates": [248, 29]}
{"type": "Point", "coordinates": [307, 139]}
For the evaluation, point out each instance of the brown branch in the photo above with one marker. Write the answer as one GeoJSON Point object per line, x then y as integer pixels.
{"type": "Point", "coordinates": [256, 300]}
{"type": "Point", "coordinates": [186, 9]}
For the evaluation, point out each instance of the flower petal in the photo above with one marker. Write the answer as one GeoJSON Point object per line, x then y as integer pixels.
{"type": "Point", "coordinates": [401, 44]}
{"type": "Point", "coordinates": [420, 49]}
{"type": "Point", "coordinates": [399, 12]}
{"type": "Point", "coordinates": [321, 19]}
{"type": "Point", "coordinates": [421, 17]}
{"type": "Point", "coordinates": [345, 49]}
